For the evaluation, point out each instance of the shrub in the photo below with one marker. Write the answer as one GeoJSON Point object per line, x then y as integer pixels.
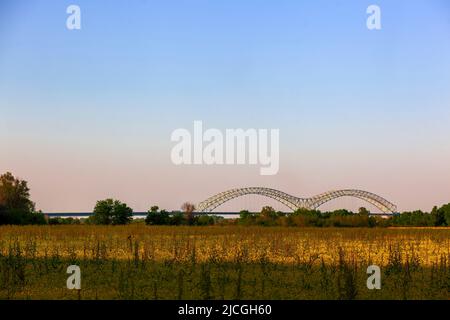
{"type": "Point", "coordinates": [156, 217]}
{"type": "Point", "coordinates": [177, 219]}
{"type": "Point", "coordinates": [206, 220]}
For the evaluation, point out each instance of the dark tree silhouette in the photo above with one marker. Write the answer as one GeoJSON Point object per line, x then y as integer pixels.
{"type": "Point", "coordinates": [15, 204]}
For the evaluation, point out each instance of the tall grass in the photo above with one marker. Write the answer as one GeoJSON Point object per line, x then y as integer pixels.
{"type": "Point", "coordinates": [140, 262]}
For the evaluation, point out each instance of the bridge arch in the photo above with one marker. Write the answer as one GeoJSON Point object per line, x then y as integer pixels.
{"type": "Point", "coordinates": [293, 202]}
{"type": "Point", "coordinates": [375, 200]}
{"type": "Point", "coordinates": [215, 201]}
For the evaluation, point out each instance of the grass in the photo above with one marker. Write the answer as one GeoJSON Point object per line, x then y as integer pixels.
{"type": "Point", "coordinates": [141, 262]}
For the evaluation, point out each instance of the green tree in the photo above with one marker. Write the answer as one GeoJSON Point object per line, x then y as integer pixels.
{"type": "Point", "coordinates": [416, 218]}
{"type": "Point", "coordinates": [267, 217]}
{"type": "Point", "coordinates": [177, 218]}
{"type": "Point", "coordinates": [341, 213]}
{"type": "Point", "coordinates": [307, 212]}
{"type": "Point", "coordinates": [268, 212]}
{"type": "Point", "coordinates": [443, 215]}
{"type": "Point", "coordinates": [14, 193]}
{"type": "Point", "coordinates": [111, 211]}
{"type": "Point", "coordinates": [244, 214]}
{"type": "Point", "coordinates": [15, 204]}
{"type": "Point", "coordinates": [206, 220]}
{"type": "Point", "coordinates": [363, 211]}
{"type": "Point", "coordinates": [156, 217]}
{"type": "Point", "coordinates": [439, 216]}
{"type": "Point", "coordinates": [246, 217]}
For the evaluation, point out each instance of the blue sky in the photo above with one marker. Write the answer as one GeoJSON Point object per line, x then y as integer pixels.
{"type": "Point", "coordinates": [346, 99]}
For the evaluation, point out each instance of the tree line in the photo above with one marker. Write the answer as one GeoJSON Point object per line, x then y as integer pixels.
{"type": "Point", "coordinates": [345, 218]}
{"type": "Point", "coordinates": [16, 208]}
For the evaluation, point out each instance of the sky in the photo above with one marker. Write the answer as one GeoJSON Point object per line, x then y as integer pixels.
{"type": "Point", "coordinates": [88, 114]}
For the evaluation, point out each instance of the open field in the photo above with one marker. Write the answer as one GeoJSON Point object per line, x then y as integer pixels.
{"type": "Point", "coordinates": [141, 262]}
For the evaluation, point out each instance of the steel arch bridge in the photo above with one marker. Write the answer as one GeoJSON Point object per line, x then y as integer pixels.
{"type": "Point", "coordinates": [295, 203]}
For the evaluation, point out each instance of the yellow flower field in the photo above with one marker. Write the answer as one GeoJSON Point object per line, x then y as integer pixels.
{"type": "Point", "coordinates": [209, 262]}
